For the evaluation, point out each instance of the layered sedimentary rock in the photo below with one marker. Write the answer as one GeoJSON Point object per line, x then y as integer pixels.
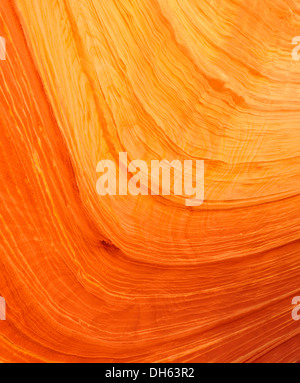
{"type": "Point", "coordinates": [145, 278]}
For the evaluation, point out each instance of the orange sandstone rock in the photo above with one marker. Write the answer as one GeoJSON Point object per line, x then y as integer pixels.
{"type": "Point", "coordinates": [144, 278]}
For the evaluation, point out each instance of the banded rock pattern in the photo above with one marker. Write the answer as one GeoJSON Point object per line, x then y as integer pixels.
{"type": "Point", "coordinates": [146, 279]}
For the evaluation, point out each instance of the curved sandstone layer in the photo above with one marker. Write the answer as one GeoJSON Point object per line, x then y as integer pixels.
{"type": "Point", "coordinates": [145, 278]}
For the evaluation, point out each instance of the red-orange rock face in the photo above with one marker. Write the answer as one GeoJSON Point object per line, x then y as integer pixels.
{"type": "Point", "coordinates": [145, 278]}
